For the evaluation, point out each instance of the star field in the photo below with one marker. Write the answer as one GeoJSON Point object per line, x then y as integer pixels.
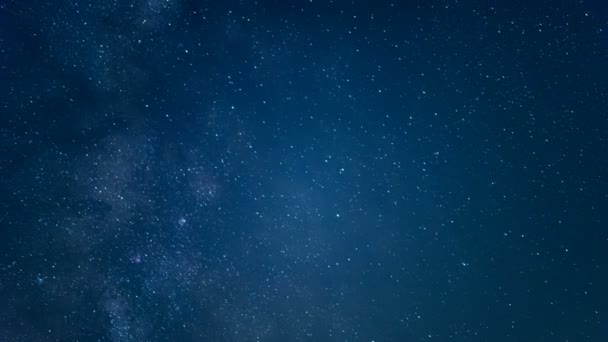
{"type": "Point", "coordinates": [177, 170]}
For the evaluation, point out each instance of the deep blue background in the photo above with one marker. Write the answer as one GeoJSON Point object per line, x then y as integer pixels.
{"type": "Point", "coordinates": [303, 171]}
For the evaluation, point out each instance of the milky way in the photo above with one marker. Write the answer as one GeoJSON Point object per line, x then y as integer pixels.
{"type": "Point", "coordinates": [303, 171]}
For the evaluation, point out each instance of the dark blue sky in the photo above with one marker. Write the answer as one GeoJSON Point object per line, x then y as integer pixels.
{"type": "Point", "coordinates": [303, 171]}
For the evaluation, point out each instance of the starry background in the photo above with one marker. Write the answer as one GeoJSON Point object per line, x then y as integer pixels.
{"type": "Point", "coordinates": [176, 170]}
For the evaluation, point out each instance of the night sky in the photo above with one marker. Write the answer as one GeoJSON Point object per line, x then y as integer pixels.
{"type": "Point", "coordinates": [180, 170]}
